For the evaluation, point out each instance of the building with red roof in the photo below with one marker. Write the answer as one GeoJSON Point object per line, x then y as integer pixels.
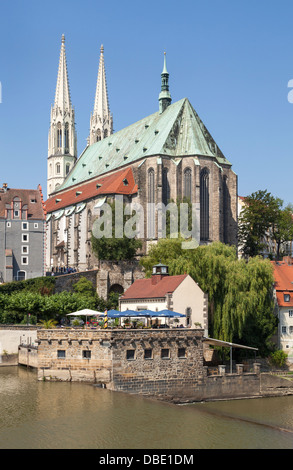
{"type": "Point", "coordinates": [283, 289]}
{"type": "Point", "coordinates": [178, 293]}
{"type": "Point", "coordinates": [22, 233]}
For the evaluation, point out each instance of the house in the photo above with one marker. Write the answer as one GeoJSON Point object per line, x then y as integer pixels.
{"type": "Point", "coordinates": [283, 293]}
{"type": "Point", "coordinates": [22, 234]}
{"type": "Point", "coordinates": [178, 293]}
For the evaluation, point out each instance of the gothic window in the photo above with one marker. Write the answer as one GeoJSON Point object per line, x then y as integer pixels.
{"type": "Point", "coordinates": [204, 205]}
{"type": "Point", "coordinates": [89, 223]}
{"type": "Point", "coordinates": [98, 135]}
{"type": "Point", "coordinates": [67, 168]}
{"type": "Point", "coordinates": [151, 185]}
{"type": "Point", "coordinates": [187, 183]}
{"type": "Point", "coordinates": [66, 137]}
{"type": "Point", "coordinates": [59, 135]}
{"type": "Point", "coordinates": [225, 209]}
{"type": "Point", "coordinates": [105, 133]}
{"type": "Point", "coordinates": [165, 187]}
{"type": "Point", "coordinates": [151, 201]}
{"type": "Point", "coordinates": [58, 168]}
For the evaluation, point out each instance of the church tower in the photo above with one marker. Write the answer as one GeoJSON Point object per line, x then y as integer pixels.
{"type": "Point", "coordinates": [164, 97]}
{"type": "Point", "coordinates": [101, 122]}
{"type": "Point", "coordinates": [62, 148]}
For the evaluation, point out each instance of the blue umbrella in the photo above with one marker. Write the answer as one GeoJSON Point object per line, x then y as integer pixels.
{"type": "Point", "coordinates": [170, 314]}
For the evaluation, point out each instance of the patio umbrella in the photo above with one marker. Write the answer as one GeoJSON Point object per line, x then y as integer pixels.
{"type": "Point", "coordinates": [170, 314]}
{"type": "Point", "coordinates": [85, 312]}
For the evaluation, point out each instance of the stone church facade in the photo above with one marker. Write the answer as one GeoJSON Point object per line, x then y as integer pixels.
{"type": "Point", "coordinates": [167, 156]}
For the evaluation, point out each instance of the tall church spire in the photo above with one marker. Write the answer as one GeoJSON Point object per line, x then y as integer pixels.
{"type": "Point", "coordinates": [101, 123]}
{"type": "Point", "coordinates": [164, 97]}
{"type": "Point", "coordinates": [62, 148]}
{"type": "Point", "coordinates": [62, 95]}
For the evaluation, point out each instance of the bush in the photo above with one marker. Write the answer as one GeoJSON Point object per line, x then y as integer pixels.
{"type": "Point", "coordinates": [278, 358]}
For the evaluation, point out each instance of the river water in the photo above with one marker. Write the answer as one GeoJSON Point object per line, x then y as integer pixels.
{"type": "Point", "coordinates": [44, 415]}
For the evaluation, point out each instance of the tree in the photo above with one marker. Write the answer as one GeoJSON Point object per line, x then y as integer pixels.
{"type": "Point", "coordinates": [111, 247]}
{"type": "Point", "coordinates": [239, 292]}
{"type": "Point", "coordinates": [263, 216]}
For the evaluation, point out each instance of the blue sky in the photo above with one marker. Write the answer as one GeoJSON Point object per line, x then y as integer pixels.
{"type": "Point", "coordinates": [232, 59]}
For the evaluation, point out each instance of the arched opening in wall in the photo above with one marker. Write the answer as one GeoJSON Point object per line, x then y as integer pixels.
{"type": "Point", "coordinates": [187, 183]}
{"type": "Point", "coordinates": [114, 293]}
{"type": "Point", "coordinates": [116, 288]}
{"type": "Point", "coordinates": [165, 187]}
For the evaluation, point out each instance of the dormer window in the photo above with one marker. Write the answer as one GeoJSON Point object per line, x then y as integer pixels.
{"type": "Point", "coordinates": [286, 297]}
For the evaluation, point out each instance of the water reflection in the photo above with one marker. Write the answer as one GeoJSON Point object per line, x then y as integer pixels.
{"type": "Point", "coordinates": [42, 415]}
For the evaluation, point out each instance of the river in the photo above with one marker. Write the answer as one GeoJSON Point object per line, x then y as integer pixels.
{"type": "Point", "coordinates": [57, 415]}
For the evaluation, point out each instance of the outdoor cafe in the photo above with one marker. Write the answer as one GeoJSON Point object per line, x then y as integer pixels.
{"type": "Point", "coordinates": [129, 318]}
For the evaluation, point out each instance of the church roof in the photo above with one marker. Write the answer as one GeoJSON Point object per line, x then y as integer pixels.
{"type": "Point", "coordinates": [121, 182]}
{"type": "Point", "coordinates": [177, 132]}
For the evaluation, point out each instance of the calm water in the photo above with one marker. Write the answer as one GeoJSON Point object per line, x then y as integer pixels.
{"type": "Point", "coordinates": [43, 415]}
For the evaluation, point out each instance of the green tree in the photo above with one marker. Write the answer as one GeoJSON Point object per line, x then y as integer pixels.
{"type": "Point", "coordinates": [110, 247]}
{"type": "Point", "coordinates": [84, 286]}
{"type": "Point", "coordinates": [239, 292]}
{"type": "Point", "coordinates": [263, 215]}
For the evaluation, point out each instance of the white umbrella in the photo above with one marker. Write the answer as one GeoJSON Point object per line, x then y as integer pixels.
{"type": "Point", "coordinates": [87, 313]}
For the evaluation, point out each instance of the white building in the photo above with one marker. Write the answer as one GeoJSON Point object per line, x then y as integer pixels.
{"type": "Point", "coordinates": [178, 293]}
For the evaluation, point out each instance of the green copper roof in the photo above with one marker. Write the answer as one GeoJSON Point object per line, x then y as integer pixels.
{"type": "Point", "coordinates": [177, 132]}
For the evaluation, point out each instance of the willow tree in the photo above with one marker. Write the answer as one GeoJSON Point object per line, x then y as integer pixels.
{"type": "Point", "coordinates": [239, 292]}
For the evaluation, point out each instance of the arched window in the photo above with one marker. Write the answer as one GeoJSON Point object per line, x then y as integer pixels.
{"type": "Point", "coordinates": [151, 185]}
{"type": "Point", "coordinates": [225, 209]}
{"type": "Point", "coordinates": [187, 184]}
{"type": "Point", "coordinates": [58, 168]}
{"type": "Point", "coordinates": [105, 133]}
{"type": "Point", "coordinates": [165, 187]}
{"type": "Point", "coordinates": [67, 168]}
{"type": "Point", "coordinates": [59, 135]}
{"type": "Point", "coordinates": [98, 135]}
{"type": "Point", "coordinates": [151, 201]}
{"type": "Point", "coordinates": [66, 137]}
{"type": "Point", "coordinates": [204, 205]}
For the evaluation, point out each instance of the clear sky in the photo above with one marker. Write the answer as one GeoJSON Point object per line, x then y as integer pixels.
{"type": "Point", "coordinates": [232, 59]}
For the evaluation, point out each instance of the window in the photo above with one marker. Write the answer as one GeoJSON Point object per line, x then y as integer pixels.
{"type": "Point", "coordinates": [24, 260]}
{"type": "Point", "coordinates": [66, 137]}
{"type": "Point", "coordinates": [61, 353]}
{"type": "Point", "coordinates": [24, 250]}
{"type": "Point", "coordinates": [187, 183]}
{"type": "Point", "coordinates": [165, 353]}
{"type": "Point", "coordinates": [24, 226]}
{"type": "Point", "coordinates": [130, 354]}
{"type": "Point", "coordinates": [16, 213]}
{"type": "Point", "coordinates": [86, 354]}
{"type": "Point", "coordinates": [24, 237]}
{"type": "Point", "coordinates": [165, 187]}
{"type": "Point", "coordinates": [59, 135]}
{"type": "Point", "coordinates": [181, 353]}
{"type": "Point", "coordinates": [286, 297]}
{"type": "Point", "coordinates": [36, 225]}
{"type": "Point", "coordinates": [290, 313]}
{"type": "Point", "coordinates": [148, 353]}
{"type": "Point", "coordinates": [58, 168]}
{"type": "Point", "coordinates": [290, 330]}
{"type": "Point", "coordinates": [151, 199]}
{"type": "Point", "coordinates": [8, 225]}
{"type": "Point", "coordinates": [204, 205]}
{"type": "Point", "coordinates": [283, 330]}
{"type": "Point", "coordinates": [67, 168]}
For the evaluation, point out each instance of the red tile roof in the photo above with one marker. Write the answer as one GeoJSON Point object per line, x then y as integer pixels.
{"type": "Point", "coordinates": [121, 182]}
{"type": "Point", "coordinates": [35, 210]}
{"type": "Point", "coordinates": [283, 274]}
{"type": "Point", "coordinates": [144, 289]}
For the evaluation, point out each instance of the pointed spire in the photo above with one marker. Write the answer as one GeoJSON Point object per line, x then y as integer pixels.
{"type": "Point", "coordinates": [62, 95]}
{"type": "Point", "coordinates": [164, 97]}
{"type": "Point", "coordinates": [101, 120]}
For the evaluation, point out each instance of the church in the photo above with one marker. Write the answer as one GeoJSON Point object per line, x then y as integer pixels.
{"type": "Point", "coordinates": [167, 156]}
